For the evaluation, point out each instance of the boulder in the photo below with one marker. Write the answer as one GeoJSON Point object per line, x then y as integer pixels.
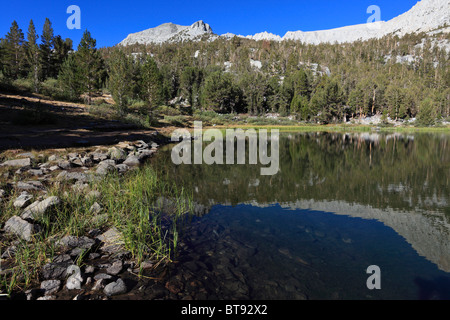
{"type": "Point", "coordinates": [29, 185]}
{"type": "Point", "coordinates": [132, 161]}
{"type": "Point", "coordinates": [36, 172]}
{"type": "Point", "coordinates": [38, 208]}
{"type": "Point", "coordinates": [72, 176]}
{"type": "Point", "coordinates": [98, 156]}
{"type": "Point", "coordinates": [65, 165]}
{"type": "Point", "coordinates": [76, 242]}
{"type": "Point", "coordinates": [117, 154]}
{"type": "Point", "coordinates": [23, 200]}
{"type": "Point", "coordinates": [122, 168]}
{"type": "Point", "coordinates": [21, 228]}
{"type": "Point", "coordinates": [112, 241]}
{"type": "Point", "coordinates": [17, 163]}
{"type": "Point", "coordinates": [105, 169]}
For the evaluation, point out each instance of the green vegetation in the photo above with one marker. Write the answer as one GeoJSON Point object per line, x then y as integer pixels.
{"type": "Point", "coordinates": [320, 84]}
{"type": "Point", "coordinates": [129, 203]}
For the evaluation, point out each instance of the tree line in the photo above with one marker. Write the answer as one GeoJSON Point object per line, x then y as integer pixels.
{"type": "Point", "coordinates": [325, 83]}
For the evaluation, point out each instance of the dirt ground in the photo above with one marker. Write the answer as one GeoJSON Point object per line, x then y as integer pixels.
{"type": "Point", "coordinates": [34, 123]}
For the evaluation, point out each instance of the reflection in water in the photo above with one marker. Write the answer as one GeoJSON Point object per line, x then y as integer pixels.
{"type": "Point", "coordinates": [364, 181]}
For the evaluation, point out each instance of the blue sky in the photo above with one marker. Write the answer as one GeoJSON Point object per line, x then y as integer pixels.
{"type": "Point", "coordinates": [111, 21]}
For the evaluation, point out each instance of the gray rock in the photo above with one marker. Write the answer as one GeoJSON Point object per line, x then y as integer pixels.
{"type": "Point", "coordinates": [63, 258]}
{"type": "Point", "coordinates": [46, 298]}
{"type": "Point", "coordinates": [98, 156]}
{"type": "Point", "coordinates": [21, 228]}
{"type": "Point", "coordinates": [107, 162]}
{"type": "Point", "coordinates": [9, 252]}
{"type": "Point", "coordinates": [72, 176]}
{"type": "Point", "coordinates": [95, 208]}
{"type": "Point", "coordinates": [115, 268]}
{"type": "Point", "coordinates": [141, 144]}
{"type": "Point", "coordinates": [76, 242]}
{"type": "Point", "coordinates": [87, 161]}
{"type": "Point", "coordinates": [117, 154]}
{"type": "Point", "coordinates": [36, 172]}
{"type": "Point", "coordinates": [89, 269]}
{"type": "Point", "coordinates": [122, 168]}
{"type": "Point", "coordinates": [23, 200]}
{"type": "Point", "coordinates": [65, 165]}
{"type": "Point", "coordinates": [103, 276]}
{"type": "Point", "coordinates": [50, 286]}
{"type": "Point", "coordinates": [105, 169]}
{"type": "Point", "coordinates": [99, 285]}
{"type": "Point", "coordinates": [76, 162]}
{"type": "Point", "coordinates": [17, 163]}
{"type": "Point", "coordinates": [2, 193]}
{"type": "Point", "coordinates": [144, 154]}
{"type": "Point", "coordinates": [54, 270]}
{"type": "Point", "coordinates": [53, 157]}
{"type": "Point", "coordinates": [29, 185]}
{"type": "Point", "coordinates": [115, 288]}
{"type": "Point", "coordinates": [38, 208]}
{"type": "Point", "coordinates": [111, 237]}
{"type": "Point", "coordinates": [93, 194]}
{"type": "Point", "coordinates": [54, 168]}
{"type": "Point", "coordinates": [132, 161]}
{"type": "Point", "coordinates": [94, 255]}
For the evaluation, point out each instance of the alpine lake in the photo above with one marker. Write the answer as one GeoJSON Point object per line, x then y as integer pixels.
{"type": "Point", "coordinates": [340, 203]}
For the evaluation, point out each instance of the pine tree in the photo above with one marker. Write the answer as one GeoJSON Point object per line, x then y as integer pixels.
{"type": "Point", "coordinates": [60, 53]}
{"type": "Point", "coordinates": [90, 63]}
{"type": "Point", "coordinates": [46, 48]}
{"type": "Point", "coordinates": [32, 50]}
{"type": "Point", "coordinates": [427, 113]}
{"type": "Point", "coordinates": [120, 78]}
{"type": "Point", "coordinates": [190, 82]}
{"type": "Point", "coordinates": [219, 94]}
{"type": "Point", "coordinates": [151, 83]}
{"type": "Point", "coordinates": [14, 52]}
{"type": "Point", "coordinates": [69, 78]}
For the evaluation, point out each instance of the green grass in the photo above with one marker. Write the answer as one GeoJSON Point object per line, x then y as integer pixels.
{"type": "Point", "coordinates": [343, 127]}
{"type": "Point", "coordinates": [127, 200]}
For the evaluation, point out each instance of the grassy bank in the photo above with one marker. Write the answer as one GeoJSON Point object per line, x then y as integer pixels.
{"type": "Point", "coordinates": [341, 127]}
{"type": "Point", "coordinates": [127, 204]}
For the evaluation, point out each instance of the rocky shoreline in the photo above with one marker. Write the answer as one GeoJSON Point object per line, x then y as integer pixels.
{"type": "Point", "coordinates": [92, 266]}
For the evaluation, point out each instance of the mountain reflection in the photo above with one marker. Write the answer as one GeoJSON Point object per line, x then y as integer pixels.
{"type": "Point", "coordinates": [401, 180]}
